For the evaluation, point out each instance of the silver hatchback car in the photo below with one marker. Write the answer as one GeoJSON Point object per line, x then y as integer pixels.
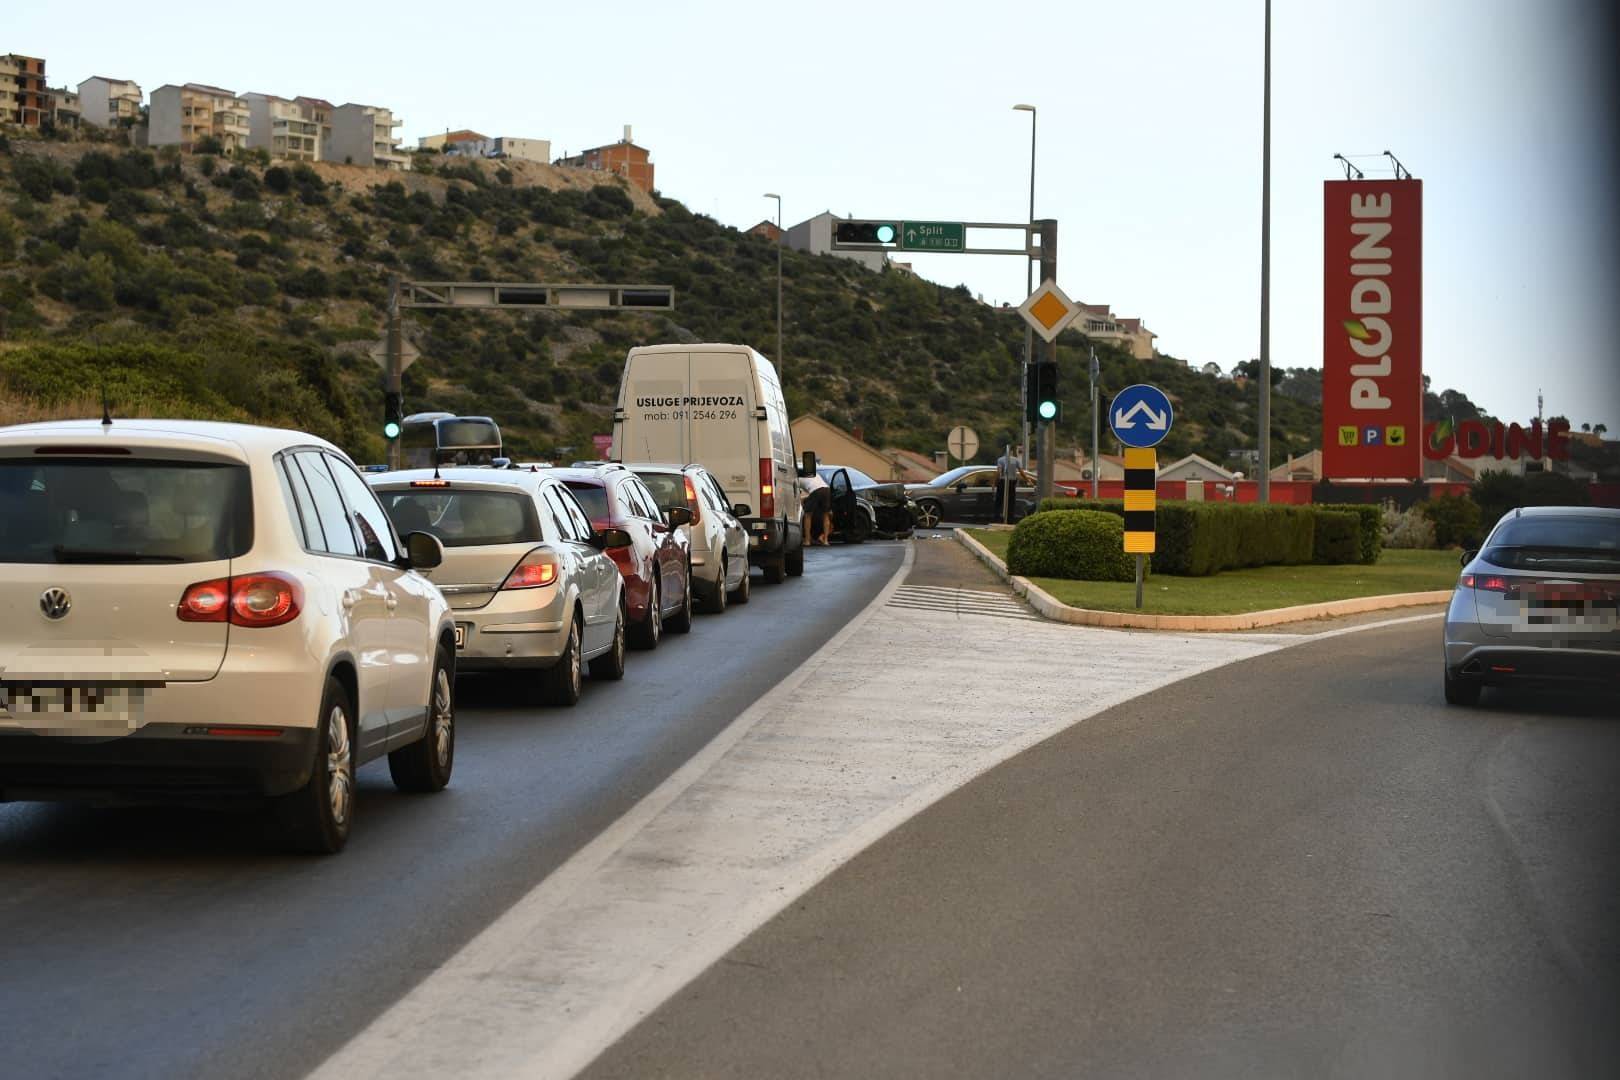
{"type": "Point", "coordinates": [530, 590]}
{"type": "Point", "coordinates": [720, 571]}
{"type": "Point", "coordinates": [1539, 602]}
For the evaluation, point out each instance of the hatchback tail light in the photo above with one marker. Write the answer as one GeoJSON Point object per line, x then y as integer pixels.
{"type": "Point", "coordinates": [767, 488]}
{"type": "Point", "coordinates": [251, 600]}
{"type": "Point", "coordinates": [692, 503]}
{"type": "Point", "coordinates": [1488, 583]}
{"type": "Point", "coordinates": [537, 568]}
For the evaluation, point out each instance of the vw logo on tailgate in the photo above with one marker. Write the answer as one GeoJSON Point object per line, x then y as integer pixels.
{"type": "Point", "coordinates": [55, 603]}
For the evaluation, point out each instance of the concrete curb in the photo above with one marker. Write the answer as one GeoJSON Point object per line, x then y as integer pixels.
{"type": "Point", "coordinates": [1057, 611]}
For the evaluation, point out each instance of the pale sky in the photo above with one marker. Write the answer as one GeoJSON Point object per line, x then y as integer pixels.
{"type": "Point", "coordinates": [1149, 138]}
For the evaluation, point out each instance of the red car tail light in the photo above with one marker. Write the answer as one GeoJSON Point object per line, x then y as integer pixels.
{"type": "Point", "coordinates": [692, 503]}
{"type": "Point", "coordinates": [767, 488]}
{"type": "Point", "coordinates": [251, 600]}
{"type": "Point", "coordinates": [1488, 583]}
{"type": "Point", "coordinates": [537, 568]}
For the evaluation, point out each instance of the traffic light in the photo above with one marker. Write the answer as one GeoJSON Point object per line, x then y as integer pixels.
{"type": "Point", "coordinates": [881, 234]}
{"type": "Point", "coordinates": [393, 414]}
{"type": "Point", "coordinates": [1041, 398]}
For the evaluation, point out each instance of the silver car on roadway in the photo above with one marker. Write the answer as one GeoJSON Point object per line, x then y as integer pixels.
{"type": "Point", "coordinates": [1539, 602]}
{"type": "Point", "coordinates": [530, 590]}
{"type": "Point", "coordinates": [720, 571]}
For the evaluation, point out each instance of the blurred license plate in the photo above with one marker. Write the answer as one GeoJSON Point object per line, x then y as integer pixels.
{"type": "Point", "coordinates": [1536, 613]}
{"type": "Point", "coordinates": [91, 703]}
{"type": "Point", "coordinates": [461, 635]}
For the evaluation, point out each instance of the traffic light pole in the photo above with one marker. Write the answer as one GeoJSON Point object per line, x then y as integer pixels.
{"type": "Point", "coordinates": [394, 365]}
{"type": "Point", "coordinates": [1043, 431]}
{"type": "Point", "coordinates": [1094, 421]}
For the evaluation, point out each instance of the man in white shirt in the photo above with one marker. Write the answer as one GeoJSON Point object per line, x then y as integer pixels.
{"type": "Point", "coordinates": [817, 510]}
{"type": "Point", "coordinates": [1008, 466]}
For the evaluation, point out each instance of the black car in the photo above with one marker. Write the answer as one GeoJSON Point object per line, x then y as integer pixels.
{"type": "Point", "coordinates": [863, 508]}
{"type": "Point", "coordinates": [968, 493]}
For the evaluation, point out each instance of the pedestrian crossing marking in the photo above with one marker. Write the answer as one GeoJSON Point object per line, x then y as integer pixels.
{"type": "Point", "coordinates": [959, 601]}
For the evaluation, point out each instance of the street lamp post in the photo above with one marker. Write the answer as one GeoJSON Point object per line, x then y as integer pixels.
{"type": "Point", "coordinates": [1265, 273]}
{"type": "Point", "coordinates": [781, 358]}
{"type": "Point", "coordinates": [1029, 287]}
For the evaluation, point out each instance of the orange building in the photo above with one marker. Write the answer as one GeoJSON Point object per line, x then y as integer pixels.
{"type": "Point", "coordinates": [24, 99]}
{"type": "Point", "coordinates": [623, 158]}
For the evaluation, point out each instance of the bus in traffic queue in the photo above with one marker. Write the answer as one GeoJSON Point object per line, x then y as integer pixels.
{"type": "Point", "coordinates": [441, 438]}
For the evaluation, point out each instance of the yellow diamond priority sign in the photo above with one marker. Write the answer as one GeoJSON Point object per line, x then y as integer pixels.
{"type": "Point", "coordinates": [1048, 310]}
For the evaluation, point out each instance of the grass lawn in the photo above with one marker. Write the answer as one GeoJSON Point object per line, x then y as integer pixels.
{"type": "Point", "coordinates": [1256, 589]}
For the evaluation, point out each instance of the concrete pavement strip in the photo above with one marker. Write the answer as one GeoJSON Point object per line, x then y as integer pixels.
{"type": "Point", "coordinates": [1054, 609]}
{"type": "Point", "coordinates": [900, 708]}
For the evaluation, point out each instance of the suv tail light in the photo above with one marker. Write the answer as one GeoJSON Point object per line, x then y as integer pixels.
{"type": "Point", "coordinates": [253, 600]}
{"type": "Point", "coordinates": [767, 488]}
{"type": "Point", "coordinates": [692, 503]}
{"type": "Point", "coordinates": [537, 568]}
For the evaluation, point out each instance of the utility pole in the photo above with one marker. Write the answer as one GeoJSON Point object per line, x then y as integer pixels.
{"type": "Point", "coordinates": [781, 356]}
{"type": "Point", "coordinates": [1265, 275]}
{"type": "Point", "coordinates": [1043, 436]}
{"type": "Point", "coordinates": [394, 369]}
{"type": "Point", "coordinates": [1029, 285]}
{"type": "Point", "coordinates": [1095, 421]}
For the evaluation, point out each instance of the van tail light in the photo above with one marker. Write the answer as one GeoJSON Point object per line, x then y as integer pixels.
{"type": "Point", "coordinates": [767, 488]}
{"type": "Point", "coordinates": [537, 568]}
{"type": "Point", "coordinates": [692, 503]}
{"type": "Point", "coordinates": [249, 600]}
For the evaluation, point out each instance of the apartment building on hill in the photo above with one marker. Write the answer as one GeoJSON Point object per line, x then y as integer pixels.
{"type": "Point", "coordinates": [185, 116]}
{"type": "Point", "coordinates": [364, 135]}
{"type": "Point", "coordinates": [623, 158]}
{"type": "Point", "coordinates": [278, 125]}
{"type": "Point", "coordinates": [107, 102]}
{"type": "Point", "coordinates": [24, 100]}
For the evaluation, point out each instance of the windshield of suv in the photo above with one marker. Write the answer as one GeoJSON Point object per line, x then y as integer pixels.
{"type": "Point", "coordinates": [464, 518]}
{"type": "Point", "coordinates": [1568, 544]}
{"type": "Point", "coordinates": [123, 510]}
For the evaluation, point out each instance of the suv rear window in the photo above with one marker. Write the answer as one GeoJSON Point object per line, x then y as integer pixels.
{"type": "Point", "coordinates": [464, 518]}
{"type": "Point", "coordinates": [1565, 544]}
{"type": "Point", "coordinates": [123, 510]}
{"type": "Point", "coordinates": [592, 498]}
{"type": "Point", "coordinates": [668, 488]}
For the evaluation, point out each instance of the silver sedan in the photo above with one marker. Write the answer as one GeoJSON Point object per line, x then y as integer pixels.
{"type": "Point", "coordinates": [1539, 602]}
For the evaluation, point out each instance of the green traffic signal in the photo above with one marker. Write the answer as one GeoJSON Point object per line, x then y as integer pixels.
{"type": "Point", "coordinates": [391, 429]}
{"type": "Point", "coordinates": [1048, 410]}
{"type": "Point", "coordinates": [885, 234]}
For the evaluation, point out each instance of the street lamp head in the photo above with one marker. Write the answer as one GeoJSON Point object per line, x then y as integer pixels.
{"type": "Point", "coordinates": [771, 195]}
{"type": "Point", "coordinates": [1024, 108]}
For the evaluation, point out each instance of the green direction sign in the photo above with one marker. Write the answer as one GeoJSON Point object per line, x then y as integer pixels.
{"type": "Point", "coordinates": [933, 236]}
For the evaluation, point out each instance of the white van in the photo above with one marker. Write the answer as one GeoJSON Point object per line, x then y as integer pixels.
{"type": "Point", "coordinates": [719, 406]}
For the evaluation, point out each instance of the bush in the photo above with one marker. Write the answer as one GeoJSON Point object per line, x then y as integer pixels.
{"type": "Point", "coordinates": [1498, 492]}
{"type": "Point", "coordinates": [1370, 518]}
{"type": "Point", "coordinates": [1195, 539]}
{"type": "Point", "coordinates": [40, 178]}
{"type": "Point", "coordinates": [1083, 545]}
{"type": "Point", "coordinates": [1455, 519]}
{"type": "Point", "coordinates": [1338, 537]}
{"type": "Point", "coordinates": [1406, 529]}
{"type": "Point", "coordinates": [278, 179]}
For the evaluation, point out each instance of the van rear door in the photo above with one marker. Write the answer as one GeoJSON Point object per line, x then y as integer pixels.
{"type": "Point", "coordinates": [652, 425]}
{"type": "Point", "coordinates": [723, 434]}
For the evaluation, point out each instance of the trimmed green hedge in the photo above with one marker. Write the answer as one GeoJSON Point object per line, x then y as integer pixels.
{"type": "Point", "coordinates": [1082, 545]}
{"type": "Point", "coordinates": [1195, 539]}
{"type": "Point", "coordinates": [1338, 537]}
{"type": "Point", "coordinates": [1370, 519]}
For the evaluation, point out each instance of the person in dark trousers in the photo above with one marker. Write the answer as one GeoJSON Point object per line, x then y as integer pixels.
{"type": "Point", "coordinates": [817, 511]}
{"type": "Point", "coordinates": [1008, 466]}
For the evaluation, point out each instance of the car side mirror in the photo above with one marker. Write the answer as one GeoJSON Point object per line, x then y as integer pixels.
{"type": "Point", "coordinates": [741, 510]}
{"type": "Point", "coordinates": [677, 516]}
{"type": "Point", "coordinates": [423, 550]}
{"type": "Point", "coordinates": [1469, 555]}
{"type": "Point", "coordinates": [603, 539]}
{"type": "Point", "coordinates": [807, 467]}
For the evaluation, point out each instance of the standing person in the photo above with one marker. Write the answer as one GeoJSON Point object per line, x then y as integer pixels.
{"type": "Point", "coordinates": [1008, 466]}
{"type": "Point", "coordinates": [817, 510]}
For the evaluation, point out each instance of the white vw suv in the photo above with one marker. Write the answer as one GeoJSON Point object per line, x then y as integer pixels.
{"type": "Point", "coordinates": [198, 611]}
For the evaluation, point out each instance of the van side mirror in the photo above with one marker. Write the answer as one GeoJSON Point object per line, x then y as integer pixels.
{"type": "Point", "coordinates": [678, 516]}
{"type": "Point", "coordinates": [423, 550]}
{"type": "Point", "coordinates": [807, 467]}
{"type": "Point", "coordinates": [741, 510]}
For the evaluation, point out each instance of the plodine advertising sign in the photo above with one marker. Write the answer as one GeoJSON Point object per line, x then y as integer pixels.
{"type": "Point", "coordinates": [1372, 338]}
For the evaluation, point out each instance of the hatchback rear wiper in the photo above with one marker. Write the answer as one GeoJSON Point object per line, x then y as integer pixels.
{"type": "Point", "coordinates": [102, 555]}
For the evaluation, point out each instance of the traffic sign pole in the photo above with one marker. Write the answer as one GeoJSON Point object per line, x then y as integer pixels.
{"type": "Point", "coordinates": [1044, 433]}
{"type": "Point", "coordinates": [394, 369]}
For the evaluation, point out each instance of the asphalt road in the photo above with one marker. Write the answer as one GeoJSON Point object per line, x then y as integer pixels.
{"type": "Point", "coordinates": [1302, 864]}
{"type": "Point", "coordinates": [172, 943]}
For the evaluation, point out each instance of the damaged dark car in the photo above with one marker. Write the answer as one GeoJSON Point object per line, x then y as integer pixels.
{"type": "Point", "coordinates": [864, 509]}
